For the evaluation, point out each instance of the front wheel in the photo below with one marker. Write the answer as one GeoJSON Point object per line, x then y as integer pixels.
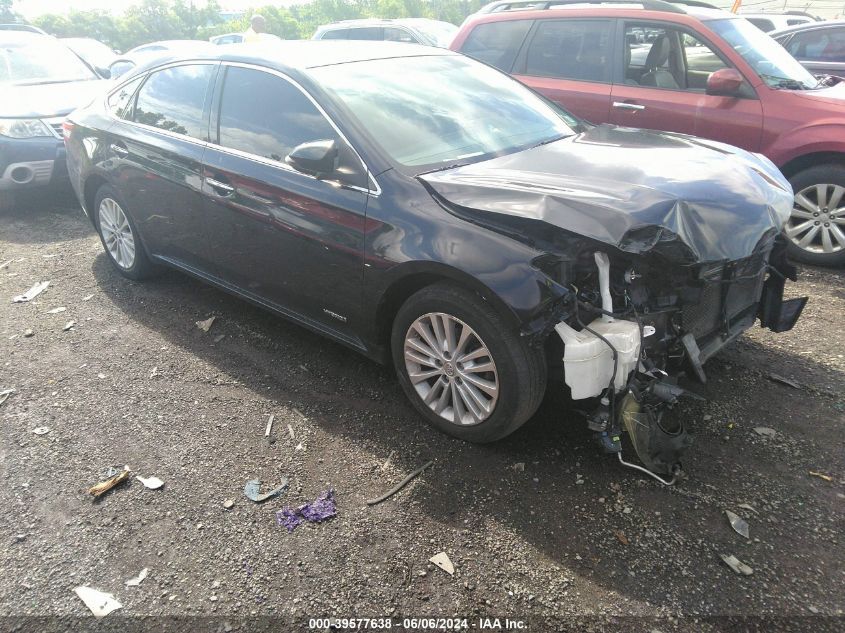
{"type": "Point", "coordinates": [464, 368]}
{"type": "Point", "coordinates": [816, 228]}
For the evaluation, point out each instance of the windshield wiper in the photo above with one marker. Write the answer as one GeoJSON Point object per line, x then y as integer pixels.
{"type": "Point", "coordinates": [785, 82]}
{"type": "Point", "coordinates": [549, 140]}
{"type": "Point", "coordinates": [434, 171]}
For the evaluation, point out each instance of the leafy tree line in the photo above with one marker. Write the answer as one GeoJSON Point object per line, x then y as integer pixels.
{"type": "Point", "coordinates": [152, 20]}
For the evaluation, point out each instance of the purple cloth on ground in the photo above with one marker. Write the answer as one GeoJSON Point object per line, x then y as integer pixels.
{"type": "Point", "coordinates": [322, 508]}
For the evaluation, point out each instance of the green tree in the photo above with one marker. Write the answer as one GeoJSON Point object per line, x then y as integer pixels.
{"type": "Point", "coordinates": [6, 13]}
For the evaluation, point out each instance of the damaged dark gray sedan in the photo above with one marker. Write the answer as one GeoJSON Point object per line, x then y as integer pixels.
{"type": "Point", "coordinates": [429, 211]}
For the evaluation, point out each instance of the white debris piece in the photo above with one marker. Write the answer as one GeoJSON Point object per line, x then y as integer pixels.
{"type": "Point", "coordinates": [56, 310]}
{"type": "Point", "coordinates": [739, 524]}
{"type": "Point", "coordinates": [737, 565]}
{"type": "Point", "coordinates": [4, 395]}
{"type": "Point", "coordinates": [33, 292]}
{"type": "Point", "coordinates": [87, 297]}
{"type": "Point", "coordinates": [134, 582]}
{"type": "Point", "coordinates": [41, 430]}
{"type": "Point", "coordinates": [68, 326]}
{"type": "Point", "coordinates": [205, 326]}
{"type": "Point", "coordinates": [269, 425]}
{"type": "Point", "coordinates": [765, 431]}
{"type": "Point", "coordinates": [153, 483]}
{"type": "Point", "coordinates": [443, 562]}
{"type": "Point", "coordinates": [100, 603]}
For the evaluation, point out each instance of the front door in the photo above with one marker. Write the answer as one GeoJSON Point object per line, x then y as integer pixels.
{"type": "Point", "coordinates": [663, 84]}
{"type": "Point", "coordinates": [283, 237]}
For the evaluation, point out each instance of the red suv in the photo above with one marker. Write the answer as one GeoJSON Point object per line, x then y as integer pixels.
{"type": "Point", "coordinates": [690, 69]}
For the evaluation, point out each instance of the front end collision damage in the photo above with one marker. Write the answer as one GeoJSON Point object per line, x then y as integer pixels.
{"type": "Point", "coordinates": [646, 277]}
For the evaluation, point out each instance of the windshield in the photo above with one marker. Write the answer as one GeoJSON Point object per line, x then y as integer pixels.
{"type": "Point", "coordinates": [94, 52]}
{"type": "Point", "coordinates": [440, 33]}
{"type": "Point", "coordinates": [39, 60]}
{"type": "Point", "coordinates": [769, 59]}
{"type": "Point", "coordinates": [431, 112]}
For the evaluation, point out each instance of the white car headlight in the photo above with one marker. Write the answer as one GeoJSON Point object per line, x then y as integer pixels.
{"type": "Point", "coordinates": [24, 128]}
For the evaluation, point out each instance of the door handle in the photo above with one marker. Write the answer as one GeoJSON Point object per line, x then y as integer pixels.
{"type": "Point", "coordinates": [628, 106]}
{"type": "Point", "coordinates": [220, 187]}
{"type": "Point", "coordinates": [118, 149]}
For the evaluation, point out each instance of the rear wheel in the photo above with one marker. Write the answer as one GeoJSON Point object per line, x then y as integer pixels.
{"type": "Point", "coordinates": [120, 236]}
{"type": "Point", "coordinates": [464, 368]}
{"type": "Point", "coordinates": [816, 228]}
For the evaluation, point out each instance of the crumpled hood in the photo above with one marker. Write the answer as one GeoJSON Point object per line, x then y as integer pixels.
{"type": "Point", "coordinates": [48, 100]}
{"type": "Point", "coordinates": [633, 189]}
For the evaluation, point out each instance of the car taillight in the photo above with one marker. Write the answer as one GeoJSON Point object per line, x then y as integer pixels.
{"type": "Point", "coordinates": [67, 128]}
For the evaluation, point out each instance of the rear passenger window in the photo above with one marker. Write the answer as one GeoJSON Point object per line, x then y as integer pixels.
{"type": "Point", "coordinates": [120, 101]}
{"type": "Point", "coordinates": [366, 33]}
{"type": "Point", "coordinates": [265, 115]}
{"type": "Point", "coordinates": [570, 49]}
{"type": "Point", "coordinates": [173, 100]}
{"type": "Point", "coordinates": [820, 45]}
{"type": "Point", "coordinates": [398, 35]}
{"type": "Point", "coordinates": [337, 34]}
{"type": "Point", "coordinates": [497, 43]}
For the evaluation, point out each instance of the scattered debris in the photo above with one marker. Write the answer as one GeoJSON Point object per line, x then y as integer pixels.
{"type": "Point", "coordinates": [443, 562]}
{"type": "Point", "coordinates": [153, 483]}
{"type": "Point", "coordinates": [154, 373]}
{"type": "Point", "coordinates": [746, 506]}
{"type": "Point", "coordinates": [4, 395]}
{"type": "Point", "coordinates": [56, 310]}
{"type": "Point", "coordinates": [87, 297]}
{"type": "Point", "coordinates": [784, 381]}
{"type": "Point", "coordinates": [28, 333]}
{"type": "Point", "coordinates": [252, 490]}
{"type": "Point", "coordinates": [101, 376]}
{"type": "Point", "coordinates": [620, 535]}
{"type": "Point", "coordinates": [400, 485]}
{"type": "Point", "coordinates": [739, 524]}
{"type": "Point", "coordinates": [134, 582]}
{"type": "Point", "coordinates": [33, 292]}
{"type": "Point", "coordinates": [322, 508]}
{"type": "Point", "coordinates": [737, 565]}
{"type": "Point", "coordinates": [228, 504]}
{"type": "Point", "coordinates": [388, 460]}
{"type": "Point", "coordinates": [68, 326]}
{"type": "Point", "coordinates": [219, 338]}
{"type": "Point", "coordinates": [205, 326]}
{"type": "Point", "coordinates": [41, 430]}
{"type": "Point", "coordinates": [269, 425]}
{"type": "Point", "coordinates": [519, 467]}
{"type": "Point", "coordinates": [290, 431]}
{"type": "Point", "coordinates": [104, 486]}
{"type": "Point", "coordinates": [299, 447]}
{"type": "Point", "coordinates": [821, 475]}
{"type": "Point", "coordinates": [100, 603]}
{"type": "Point", "coordinates": [4, 264]}
{"type": "Point", "coordinates": [764, 430]}
{"type": "Point", "coordinates": [300, 414]}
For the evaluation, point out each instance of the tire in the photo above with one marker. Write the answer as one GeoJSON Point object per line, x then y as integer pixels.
{"type": "Point", "coordinates": [518, 371]}
{"type": "Point", "coordinates": [816, 231]}
{"type": "Point", "coordinates": [120, 236]}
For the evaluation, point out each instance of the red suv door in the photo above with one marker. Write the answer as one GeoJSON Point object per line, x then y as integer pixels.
{"type": "Point", "coordinates": [570, 62]}
{"type": "Point", "coordinates": [662, 86]}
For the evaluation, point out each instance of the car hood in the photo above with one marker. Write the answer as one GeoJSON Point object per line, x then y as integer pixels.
{"type": "Point", "coordinates": [831, 95]}
{"type": "Point", "coordinates": [688, 198]}
{"type": "Point", "coordinates": [48, 100]}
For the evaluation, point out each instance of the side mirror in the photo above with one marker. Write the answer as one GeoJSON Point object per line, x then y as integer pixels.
{"type": "Point", "coordinates": [317, 158]}
{"type": "Point", "coordinates": [724, 82]}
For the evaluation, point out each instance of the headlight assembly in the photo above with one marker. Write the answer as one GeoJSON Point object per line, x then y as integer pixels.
{"type": "Point", "coordinates": [24, 128]}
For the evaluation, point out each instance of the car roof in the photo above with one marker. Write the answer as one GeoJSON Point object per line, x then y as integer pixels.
{"type": "Point", "coordinates": [23, 37]}
{"type": "Point", "coordinates": [300, 55]}
{"type": "Point", "coordinates": [808, 26]}
{"type": "Point", "coordinates": [610, 9]}
{"type": "Point", "coordinates": [374, 22]}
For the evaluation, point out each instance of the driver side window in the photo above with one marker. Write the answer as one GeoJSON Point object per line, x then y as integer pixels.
{"type": "Point", "coordinates": [663, 57]}
{"type": "Point", "coordinates": [265, 115]}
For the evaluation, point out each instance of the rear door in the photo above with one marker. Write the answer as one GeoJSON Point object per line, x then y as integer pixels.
{"type": "Point", "coordinates": [284, 238]}
{"type": "Point", "coordinates": [661, 85]}
{"type": "Point", "coordinates": [157, 150]}
{"type": "Point", "coordinates": [570, 62]}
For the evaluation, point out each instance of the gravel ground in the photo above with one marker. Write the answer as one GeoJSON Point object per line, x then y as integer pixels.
{"type": "Point", "coordinates": [571, 542]}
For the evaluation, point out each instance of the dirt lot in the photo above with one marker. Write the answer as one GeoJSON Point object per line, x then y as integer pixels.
{"type": "Point", "coordinates": [573, 541]}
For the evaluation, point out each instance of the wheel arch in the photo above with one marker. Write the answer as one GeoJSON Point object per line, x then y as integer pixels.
{"type": "Point", "coordinates": [413, 277]}
{"type": "Point", "coordinates": [89, 194]}
{"type": "Point", "coordinates": [813, 159]}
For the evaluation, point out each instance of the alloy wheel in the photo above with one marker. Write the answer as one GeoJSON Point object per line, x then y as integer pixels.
{"type": "Point", "coordinates": [817, 223]}
{"type": "Point", "coordinates": [451, 369]}
{"type": "Point", "coordinates": [117, 234]}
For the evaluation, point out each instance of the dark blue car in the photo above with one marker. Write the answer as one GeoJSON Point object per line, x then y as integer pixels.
{"type": "Point", "coordinates": [41, 82]}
